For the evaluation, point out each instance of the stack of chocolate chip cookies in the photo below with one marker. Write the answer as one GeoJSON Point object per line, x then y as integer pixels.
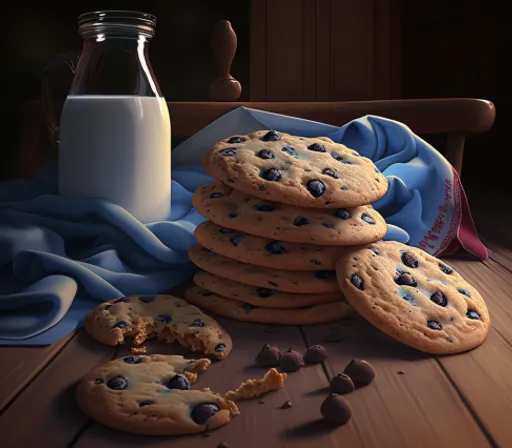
{"type": "Point", "coordinates": [281, 213]}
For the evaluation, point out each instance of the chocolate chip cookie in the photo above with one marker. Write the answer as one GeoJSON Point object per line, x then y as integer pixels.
{"type": "Point", "coordinates": [300, 282]}
{"type": "Point", "coordinates": [414, 297]}
{"type": "Point", "coordinates": [257, 296]}
{"type": "Point", "coordinates": [266, 252]}
{"type": "Point", "coordinates": [324, 227]}
{"type": "Point", "coordinates": [157, 315]}
{"type": "Point", "coordinates": [233, 309]}
{"type": "Point", "coordinates": [152, 395]}
{"type": "Point", "coordinates": [307, 172]}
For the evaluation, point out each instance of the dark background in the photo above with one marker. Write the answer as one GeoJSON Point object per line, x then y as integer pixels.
{"type": "Point", "coordinates": [449, 49]}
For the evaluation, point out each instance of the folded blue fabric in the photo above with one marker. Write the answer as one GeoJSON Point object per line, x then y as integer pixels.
{"type": "Point", "coordinates": [61, 256]}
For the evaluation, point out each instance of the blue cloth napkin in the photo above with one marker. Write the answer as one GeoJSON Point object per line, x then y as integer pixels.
{"type": "Point", "coordinates": [62, 256]}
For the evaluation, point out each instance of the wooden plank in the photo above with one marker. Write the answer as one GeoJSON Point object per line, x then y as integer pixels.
{"type": "Point", "coordinates": [45, 412]}
{"type": "Point", "coordinates": [258, 425]}
{"type": "Point", "coordinates": [309, 47]}
{"type": "Point", "coordinates": [352, 50]}
{"type": "Point", "coordinates": [419, 408]}
{"type": "Point", "coordinates": [23, 365]}
{"type": "Point", "coordinates": [258, 51]}
{"type": "Point", "coordinates": [383, 60]}
{"type": "Point", "coordinates": [285, 58]}
{"type": "Point", "coordinates": [323, 50]}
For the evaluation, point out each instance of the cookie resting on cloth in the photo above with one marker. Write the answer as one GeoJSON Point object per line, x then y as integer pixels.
{"type": "Point", "coordinates": [233, 309]}
{"type": "Point", "coordinates": [300, 282]}
{"type": "Point", "coordinates": [266, 252]}
{"type": "Point", "coordinates": [257, 296]}
{"type": "Point", "coordinates": [152, 395]}
{"type": "Point", "coordinates": [413, 297]}
{"type": "Point", "coordinates": [307, 172]}
{"type": "Point", "coordinates": [324, 227]}
{"type": "Point", "coordinates": [158, 315]}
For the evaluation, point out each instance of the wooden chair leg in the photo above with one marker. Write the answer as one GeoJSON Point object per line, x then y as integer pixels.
{"type": "Point", "coordinates": [455, 150]}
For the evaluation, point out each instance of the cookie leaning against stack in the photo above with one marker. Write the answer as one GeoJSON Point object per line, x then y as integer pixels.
{"type": "Point", "coordinates": [280, 213]}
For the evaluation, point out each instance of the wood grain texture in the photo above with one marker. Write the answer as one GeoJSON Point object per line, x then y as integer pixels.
{"type": "Point", "coordinates": [352, 56]}
{"type": "Point", "coordinates": [45, 413]}
{"type": "Point", "coordinates": [258, 51]}
{"type": "Point", "coordinates": [323, 50]}
{"type": "Point", "coordinates": [22, 366]}
{"type": "Point", "coordinates": [259, 424]}
{"type": "Point", "coordinates": [419, 408]}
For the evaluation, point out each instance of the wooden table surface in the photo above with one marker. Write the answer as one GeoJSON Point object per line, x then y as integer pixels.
{"type": "Point", "coordinates": [452, 401]}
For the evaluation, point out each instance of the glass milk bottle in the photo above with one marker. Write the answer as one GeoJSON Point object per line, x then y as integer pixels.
{"type": "Point", "coordinates": [115, 132]}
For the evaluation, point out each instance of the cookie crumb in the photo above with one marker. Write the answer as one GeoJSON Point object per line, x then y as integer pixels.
{"type": "Point", "coordinates": [255, 387]}
{"type": "Point", "coordinates": [138, 350]}
{"type": "Point", "coordinates": [286, 405]}
{"type": "Point", "coordinates": [401, 372]}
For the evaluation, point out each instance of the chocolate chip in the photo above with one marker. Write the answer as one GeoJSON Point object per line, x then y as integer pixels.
{"type": "Point", "coordinates": [220, 348]}
{"type": "Point", "coordinates": [235, 240]}
{"type": "Point", "coordinates": [178, 381]}
{"type": "Point", "coordinates": [236, 140]}
{"type": "Point", "coordinates": [228, 152]}
{"type": "Point", "coordinates": [446, 269]}
{"type": "Point", "coordinates": [409, 259]}
{"type": "Point", "coordinates": [342, 213]}
{"type": "Point", "coordinates": [315, 262]}
{"type": "Point", "coordinates": [265, 154]}
{"type": "Point", "coordinates": [275, 248]}
{"type": "Point", "coordinates": [290, 150]}
{"type": "Point", "coordinates": [147, 299]}
{"type": "Point", "coordinates": [132, 360]}
{"type": "Point", "coordinates": [325, 275]}
{"type": "Point", "coordinates": [120, 324]}
{"type": "Point", "coordinates": [316, 188]}
{"type": "Point", "coordinates": [401, 372]}
{"type": "Point", "coordinates": [287, 405]}
{"type": "Point", "coordinates": [197, 323]}
{"type": "Point", "coordinates": [271, 136]}
{"type": "Point", "coordinates": [336, 157]}
{"type": "Point", "coordinates": [222, 445]}
{"type": "Point", "coordinates": [329, 172]}
{"type": "Point", "coordinates": [166, 318]}
{"type": "Point", "coordinates": [344, 187]}
{"type": "Point", "coordinates": [472, 314]}
{"type": "Point", "coordinates": [434, 325]}
{"type": "Point", "coordinates": [367, 218]}
{"type": "Point", "coordinates": [357, 281]}
{"type": "Point", "coordinates": [342, 384]}
{"type": "Point", "coordinates": [264, 292]}
{"type": "Point", "coordinates": [291, 361]}
{"type": "Point", "coordinates": [146, 403]}
{"type": "Point", "coordinates": [315, 354]}
{"type": "Point", "coordinates": [439, 298]}
{"type": "Point", "coordinates": [232, 215]}
{"type": "Point", "coordinates": [98, 381]}
{"type": "Point", "coordinates": [374, 250]}
{"type": "Point", "coordinates": [203, 412]}
{"type": "Point", "coordinates": [117, 383]}
{"type": "Point", "coordinates": [225, 231]}
{"type": "Point", "coordinates": [268, 356]}
{"type": "Point", "coordinates": [272, 175]}
{"type": "Point", "coordinates": [300, 221]}
{"type": "Point", "coordinates": [248, 307]}
{"type": "Point", "coordinates": [335, 409]}
{"type": "Point", "coordinates": [317, 147]}
{"type": "Point", "coordinates": [464, 292]}
{"type": "Point", "coordinates": [361, 372]}
{"type": "Point", "coordinates": [406, 279]}
{"type": "Point", "coordinates": [410, 299]}
{"type": "Point", "coordinates": [264, 208]}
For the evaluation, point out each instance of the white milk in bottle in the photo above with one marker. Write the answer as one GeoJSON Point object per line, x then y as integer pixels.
{"type": "Point", "coordinates": [118, 148]}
